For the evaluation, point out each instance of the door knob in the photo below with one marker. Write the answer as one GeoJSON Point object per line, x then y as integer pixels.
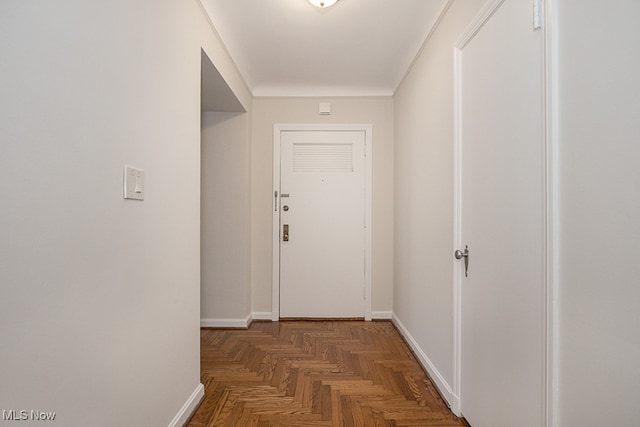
{"type": "Point", "coordinates": [463, 254]}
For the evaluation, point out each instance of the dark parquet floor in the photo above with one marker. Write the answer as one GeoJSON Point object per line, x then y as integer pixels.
{"type": "Point", "coordinates": [315, 373]}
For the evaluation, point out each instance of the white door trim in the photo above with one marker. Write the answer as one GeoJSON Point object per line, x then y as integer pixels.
{"type": "Point", "coordinates": [551, 104]}
{"type": "Point", "coordinates": [275, 198]}
{"type": "Point", "coordinates": [550, 241]}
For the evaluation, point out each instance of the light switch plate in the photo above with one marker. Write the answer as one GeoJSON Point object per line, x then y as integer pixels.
{"type": "Point", "coordinates": [133, 183]}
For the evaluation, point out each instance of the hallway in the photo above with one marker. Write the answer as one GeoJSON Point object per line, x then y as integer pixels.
{"type": "Point", "coordinates": [105, 297]}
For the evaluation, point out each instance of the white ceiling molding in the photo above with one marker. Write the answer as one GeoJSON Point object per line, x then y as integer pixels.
{"type": "Point", "coordinates": [354, 48]}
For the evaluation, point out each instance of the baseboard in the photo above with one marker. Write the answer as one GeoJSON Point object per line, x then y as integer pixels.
{"type": "Point", "coordinates": [445, 389]}
{"type": "Point", "coordinates": [188, 408]}
{"type": "Point", "coordinates": [235, 323]}
{"type": "Point", "coordinates": [258, 315]}
{"type": "Point", "coordinates": [226, 323]}
{"type": "Point", "coordinates": [381, 315]}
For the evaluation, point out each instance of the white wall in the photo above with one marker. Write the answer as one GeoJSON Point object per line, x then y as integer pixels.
{"type": "Point", "coordinates": [100, 296]}
{"type": "Point", "coordinates": [599, 206]}
{"type": "Point", "coordinates": [226, 198]}
{"type": "Point", "coordinates": [423, 188]}
{"type": "Point", "coordinates": [375, 111]}
{"type": "Point", "coordinates": [599, 377]}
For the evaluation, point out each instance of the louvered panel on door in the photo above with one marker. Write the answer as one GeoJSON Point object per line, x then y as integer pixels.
{"type": "Point", "coordinates": [322, 157]}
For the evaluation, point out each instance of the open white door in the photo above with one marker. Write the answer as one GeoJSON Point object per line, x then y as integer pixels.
{"type": "Point", "coordinates": [322, 231]}
{"type": "Point", "coordinates": [501, 181]}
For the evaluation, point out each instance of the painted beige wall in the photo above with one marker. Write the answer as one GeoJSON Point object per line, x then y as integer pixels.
{"type": "Point", "coordinates": [100, 296]}
{"type": "Point", "coordinates": [599, 378]}
{"type": "Point", "coordinates": [423, 189]}
{"type": "Point", "coordinates": [226, 201]}
{"type": "Point", "coordinates": [269, 111]}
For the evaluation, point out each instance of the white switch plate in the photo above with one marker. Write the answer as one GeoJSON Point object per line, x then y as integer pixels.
{"type": "Point", "coordinates": [133, 183]}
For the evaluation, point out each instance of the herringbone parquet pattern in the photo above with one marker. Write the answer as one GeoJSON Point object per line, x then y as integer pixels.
{"type": "Point", "coordinates": [315, 373]}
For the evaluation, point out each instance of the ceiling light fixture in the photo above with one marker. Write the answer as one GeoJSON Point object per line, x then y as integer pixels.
{"type": "Point", "coordinates": [323, 3]}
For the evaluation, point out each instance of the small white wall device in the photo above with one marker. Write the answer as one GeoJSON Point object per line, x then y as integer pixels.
{"type": "Point", "coordinates": [133, 183]}
{"type": "Point", "coordinates": [324, 108]}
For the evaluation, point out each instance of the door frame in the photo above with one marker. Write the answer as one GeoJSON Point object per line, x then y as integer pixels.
{"type": "Point", "coordinates": [550, 208]}
{"type": "Point", "coordinates": [275, 204]}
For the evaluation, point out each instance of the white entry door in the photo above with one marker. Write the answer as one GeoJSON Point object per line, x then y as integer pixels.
{"type": "Point", "coordinates": [501, 204]}
{"type": "Point", "coordinates": [322, 224]}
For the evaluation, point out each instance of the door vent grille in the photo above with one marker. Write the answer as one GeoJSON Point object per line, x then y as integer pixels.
{"type": "Point", "coordinates": [322, 157]}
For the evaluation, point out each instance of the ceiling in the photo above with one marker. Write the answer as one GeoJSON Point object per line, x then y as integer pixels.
{"type": "Point", "coordinates": [354, 48]}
